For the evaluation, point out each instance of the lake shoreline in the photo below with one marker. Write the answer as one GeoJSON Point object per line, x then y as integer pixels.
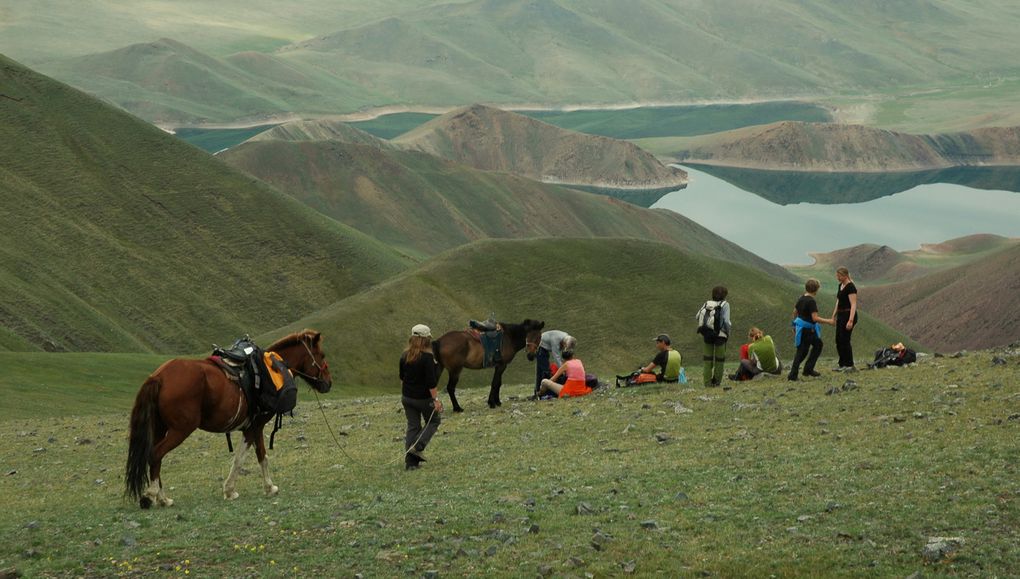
{"type": "Point", "coordinates": [376, 112]}
{"type": "Point", "coordinates": [835, 170]}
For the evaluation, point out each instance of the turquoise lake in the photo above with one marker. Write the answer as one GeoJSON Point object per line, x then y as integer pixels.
{"type": "Point", "coordinates": [928, 212]}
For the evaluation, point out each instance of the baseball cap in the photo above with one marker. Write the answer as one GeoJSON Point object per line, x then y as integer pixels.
{"type": "Point", "coordinates": [663, 338]}
{"type": "Point", "coordinates": [421, 330]}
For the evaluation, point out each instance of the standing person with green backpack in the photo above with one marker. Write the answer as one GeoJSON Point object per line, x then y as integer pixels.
{"type": "Point", "coordinates": [714, 326]}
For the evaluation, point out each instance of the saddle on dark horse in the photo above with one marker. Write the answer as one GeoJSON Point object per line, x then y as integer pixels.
{"type": "Point", "coordinates": [491, 337]}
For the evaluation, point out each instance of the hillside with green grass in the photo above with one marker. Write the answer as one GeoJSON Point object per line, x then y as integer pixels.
{"type": "Point", "coordinates": [491, 139]}
{"type": "Point", "coordinates": [763, 479]}
{"type": "Point", "coordinates": [119, 237]}
{"type": "Point", "coordinates": [796, 146]}
{"type": "Point", "coordinates": [422, 204]}
{"type": "Point", "coordinates": [903, 62]}
{"type": "Point", "coordinates": [615, 296]}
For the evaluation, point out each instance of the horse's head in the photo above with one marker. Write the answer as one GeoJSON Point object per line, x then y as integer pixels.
{"type": "Point", "coordinates": [532, 336]}
{"type": "Point", "coordinates": [304, 356]}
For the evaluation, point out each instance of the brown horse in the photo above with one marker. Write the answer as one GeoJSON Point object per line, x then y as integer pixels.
{"type": "Point", "coordinates": [183, 395]}
{"type": "Point", "coordinates": [461, 349]}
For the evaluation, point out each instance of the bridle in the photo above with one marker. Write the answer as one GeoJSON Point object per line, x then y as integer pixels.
{"type": "Point", "coordinates": [315, 364]}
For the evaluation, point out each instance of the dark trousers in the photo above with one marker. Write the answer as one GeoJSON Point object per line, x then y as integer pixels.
{"type": "Point", "coordinates": [418, 423]}
{"type": "Point", "coordinates": [542, 369]}
{"type": "Point", "coordinates": [810, 348]}
{"type": "Point", "coordinates": [843, 346]}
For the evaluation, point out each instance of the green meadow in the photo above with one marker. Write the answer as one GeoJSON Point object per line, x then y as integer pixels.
{"type": "Point", "coordinates": [769, 478]}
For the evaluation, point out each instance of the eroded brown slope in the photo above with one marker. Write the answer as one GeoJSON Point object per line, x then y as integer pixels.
{"type": "Point", "coordinates": [968, 307]}
{"type": "Point", "coordinates": [491, 139]}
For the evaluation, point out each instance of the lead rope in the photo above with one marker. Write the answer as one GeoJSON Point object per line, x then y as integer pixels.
{"type": "Point", "coordinates": [355, 461]}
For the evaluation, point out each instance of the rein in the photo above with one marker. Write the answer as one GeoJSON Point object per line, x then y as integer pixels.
{"type": "Point", "coordinates": [354, 460]}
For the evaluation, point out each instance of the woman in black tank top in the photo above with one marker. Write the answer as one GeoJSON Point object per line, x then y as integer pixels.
{"type": "Point", "coordinates": [845, 315]}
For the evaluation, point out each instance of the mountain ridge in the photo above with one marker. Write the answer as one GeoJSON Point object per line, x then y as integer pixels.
{"type": "Point", "coordinates": [825, 147]}
{"type": "Point", "coordinates": [492, 139]}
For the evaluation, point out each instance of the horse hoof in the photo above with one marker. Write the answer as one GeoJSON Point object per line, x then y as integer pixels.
{"type": "Point", "coordinates": [272, 491]}
{"type": "Point", "coordinates": [145, 502]}
{"type": "Point", "coordinates": [458, 409]}
{"type": "Point", "coordinates": [231, 496]}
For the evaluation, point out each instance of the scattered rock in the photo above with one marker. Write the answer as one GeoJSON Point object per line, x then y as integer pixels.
{"type": "Point", "coordinates": [498, 517]}
{"type": "Point", "coordinates": [431, 574]}
{"type": "Point", "coordinates": [649, 524]}
{"type": "Point", "coordinates": [132, 524]}
{"type": "Point", "coordinates": [30, 554]}
{"type": "Point", "coordinates": [681, 496]}
{"type": "Point", "coordinates": [128, 541]}
{"type": "Point", "coordinates": [574, 562]}
{"type": "Point", "coordinates": [915, 575]}
{"type": "Point", "coordinates": [629, 566]}
{"type": "Point", "coordinates": [849, 385]}
{"type": "Point", "coordinates": [898, 418]}
{"type": "Point", "coordinates": [38, 450]}
{"type": "Point", "coordinates": [939, 548]}
{"type": "Point", "coordinates": [804, 518]}
{"type": "Point", "coordinates": [998, 361]}
{"type": "Point", "coordinates": [646, 406]}
{"type": "Point", "coordinates": [584, 509]}
{"type": "Point", "coordinates": [82, 441]}
{"type": "Point", "coordinates": [9, 573]}
{"type": "Point", "coordinates": [662, 437]}
{"type": "Point", "coordinates": [832, 391]}
{"type": "Point", "coordinates": [12, 472]}
{"type": "Point", "coordinates": [627, 428]}
{"type": "Point", "coordinates": [679, 408]}
{"type": "Point", "coordinates": [1014, 416]}
{"type": "Point", "coordinates": [599, 540]}
{"type": "Point", "coordinates": [32, 525]}
{"type": "Point", "coordinates": [100, 482]}
{"type": "Point", "coordinates": [792, 530]}
{"type": "Point", "coordinates": [545, 570]}
{"type": "Point", "coordinates": [959, 354]}
{"type": "Point", "coordinates": [529, 503]}
{"type": "Point", "coordinates": [919, 415]}
{"type": "Point", "coordinates": [533, 529]}
{"type": "Point", "coordinates": [832, 506]}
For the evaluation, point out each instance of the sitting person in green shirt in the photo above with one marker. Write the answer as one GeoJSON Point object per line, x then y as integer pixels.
{"type": "Point", "coordinates": [668, 361]}
{"type": "Point", "coordinates": [761, 357]}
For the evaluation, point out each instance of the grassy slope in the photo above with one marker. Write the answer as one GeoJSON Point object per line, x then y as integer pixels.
{"type": "Point", "coordinates": [837, 147]}
{"type": "Point", "coordinates": [374, 190]}
{"type": "Point", "coordinates": [774, 480]}
{"type": "Point", "coordinates": [118, 237]}
{"type": "Point", "coordinates": [554, 52]}
{"type": "Point", "coordinates": [969, 306]}
{"type": "Point", "coordinates": [613, 295]}
{"type": "Point", "coordinates": [495, 140]}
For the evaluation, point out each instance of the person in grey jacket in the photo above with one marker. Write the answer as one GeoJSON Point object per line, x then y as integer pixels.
{"type": "Point", "coordinates": [550, 349]}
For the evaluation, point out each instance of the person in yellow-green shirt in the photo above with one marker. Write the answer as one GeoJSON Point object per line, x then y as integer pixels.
{"type": "Point", "coordinates": [668, 361]}
{"type": "Point", "coordinates": [761, 357]}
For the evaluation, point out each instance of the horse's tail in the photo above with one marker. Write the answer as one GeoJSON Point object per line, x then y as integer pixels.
{"type": "Point", "coordinates": [144, 416]}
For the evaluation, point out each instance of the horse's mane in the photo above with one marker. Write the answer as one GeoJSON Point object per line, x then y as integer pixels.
{"type": "Point", "coordinates": [291, 340]}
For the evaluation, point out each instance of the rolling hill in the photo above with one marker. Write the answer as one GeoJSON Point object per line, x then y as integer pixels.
{"type": "Point", "coordinates": [551, 52]}
{"type": "Point", "coordinates": [801, 146]}
{"type": "Point", "coordinates": [118, 237]}
{"type": "Point", "coordinates": [422, 204]}
{"type": "Point", "coordinates": [966, 307]}
{"type": "Point", "coordinates": [614, 295]}
{"type": "Point", "coordinates": [321, 130]}
{"type": "Point", "coordinates": [495, 140]}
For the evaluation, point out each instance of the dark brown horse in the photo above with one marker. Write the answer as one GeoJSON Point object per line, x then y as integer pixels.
{"type": "Point", "coordinates": [183, 395]}
{"type": "Point", "coordinates": [461, 349]}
